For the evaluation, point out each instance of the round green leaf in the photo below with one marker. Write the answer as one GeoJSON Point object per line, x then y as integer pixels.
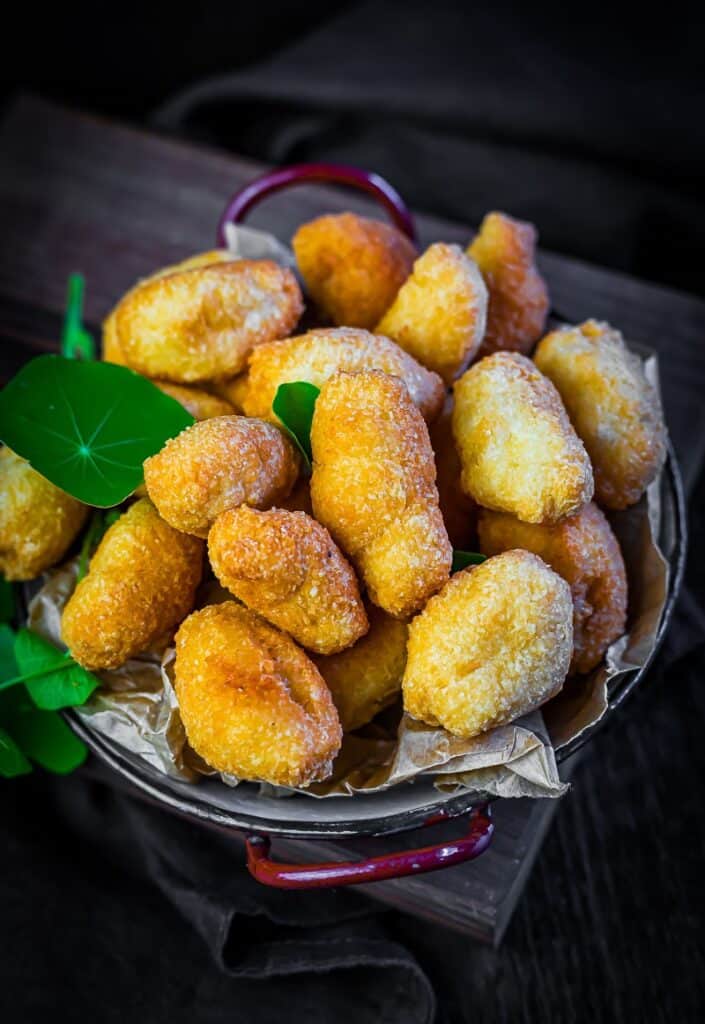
{"type": "Point", "coordinates": [53, 679]}
{"type": "Point", "coordinates": [8, 665]}
{"type": "Point", "coordinates": [86, 426]}
{"type": "Point", "coordinates": [12, 760]}
{"type": "Point", "coordinates": [43, 736]}
{"type": "Point", "coordinates": [293, 406]}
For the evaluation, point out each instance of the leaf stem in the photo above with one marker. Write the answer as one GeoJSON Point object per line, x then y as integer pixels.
{"type": "Point", "coordinates": [65, 663]}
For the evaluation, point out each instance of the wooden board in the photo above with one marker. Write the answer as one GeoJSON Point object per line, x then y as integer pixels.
{"type": "Point", "coordinates": [80, 194]}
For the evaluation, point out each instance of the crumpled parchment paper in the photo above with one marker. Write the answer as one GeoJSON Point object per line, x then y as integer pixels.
{"type": "Point", "coordinates": [137, 709]}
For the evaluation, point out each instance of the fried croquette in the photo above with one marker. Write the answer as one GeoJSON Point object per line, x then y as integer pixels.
{"type": "Point", "coordinates": [352, 266]}
{"type": "Point", "coordinates": [112, 351]}
{"type": "Point", "coordinates": [286, 566]}
{"type": "Point", "coordinates": [252, 703]}
{"type": "Point", "coordinates": [200, 324]}
{"type": "Point", "coordinates": [38, 522]}
{"type": "Point", "coordinates": [440, 312]}
{"type": "Point", "coordinates": [216, 465]}
{"type": "Point", "coordinates": [201, 404]}
{"type": "Point", "coordinates": [366, 678]}
{"type": "Point", "coordinates": [373, 485]}
{"type": "Point", "coordinates": [505, 251]}
{"type": "Point", "coordinates": [494, 644]}
{"type": "Point", "coordinates": [459, 511]}
{"type": "Point", "coordinates": [141, 582]}
{"type": "Point", "coordinates": [518, 449]}
{"type": "Point", "coordinates": [318, 354]}
{"type": "Point", "coordinates": [614, 409]}
{"type": "Point", "coordinates": [584, 551]}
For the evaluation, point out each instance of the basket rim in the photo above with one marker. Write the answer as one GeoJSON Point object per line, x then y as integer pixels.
{"type": "Point", "coordinates": [155, 787]}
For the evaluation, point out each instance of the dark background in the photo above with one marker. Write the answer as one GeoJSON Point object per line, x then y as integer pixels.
{"type": "Point", "coordinates": [589, 123]}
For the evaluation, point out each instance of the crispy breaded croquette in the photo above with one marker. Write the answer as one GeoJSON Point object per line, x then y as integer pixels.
{"type": "Point", "coordinates": [141, 582]}
{"type": "Point", "coordinates": [613, 407]}
{"type": "Point", "coordinates": [318, 354]}
{"type": "Point", "coordinates": [459, 511]}
{"type": "Point", "coordinates": [494, 644]}
{"type": "Point", "coordinates": [505, 251]}
{"type": "Point", "coordinates": [200, 324]}
{"type": "Point", "coordinates": [518, 449]}
{"type": "Point", "coordinates": [201, 404]}
{"type": "Point", "coordinates": [252, 703]}
{"type": "Point", "coordinates": [38, 522]}
{"type": "Point", "coordinates": [286, 566]}
{"type": "Point", "coordinates": [216, 465]}
{"type": "Point", "coordinates": [373, 485]}
{"type": "Point", "coordinates": [440, 312]}
{"type": "Point", "coordinates": [112, 351]}
{"type": "Point", "coordinates": [352, 266]}
{"type": "Point", "coordinates": [367, 677]}
{"type": "Point", "coordinates": [584, 551]}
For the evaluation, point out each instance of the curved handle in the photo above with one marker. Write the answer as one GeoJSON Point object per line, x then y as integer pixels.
{"type": "Point", "coordinates": [374, 869]}
{"type": "Point", "coordinates": [341, 174]}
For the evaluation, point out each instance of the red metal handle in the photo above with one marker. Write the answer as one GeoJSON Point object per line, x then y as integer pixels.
{"type": "Point", "coordinates": [340, 174]}
{"type": "Point", "coordinates": [374, 869]}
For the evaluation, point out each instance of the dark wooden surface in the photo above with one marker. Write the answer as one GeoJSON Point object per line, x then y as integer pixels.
{"type": "Point", "coordinates": [609, 926]}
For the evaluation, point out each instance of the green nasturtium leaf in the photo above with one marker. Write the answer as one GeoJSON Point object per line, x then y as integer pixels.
{"type": "Point", "coordinates": [7, 600]}
{"type": "Point", "coordinates": [12, 760]}
{"type": "Point", "coordinates": [8, 665]}
{"type": "Point", "coordinates": [462, 559]}
{"type": "Point", "coordinates": [53, 679]}
{"type": "Point", "coordinates": [76, 341]}
{"type": "Point", "coordinates": [43, 736]}
{"type": "Point", "coordinates": [293, 406]}
{"type": "Point", "coordinates": [87, 427]}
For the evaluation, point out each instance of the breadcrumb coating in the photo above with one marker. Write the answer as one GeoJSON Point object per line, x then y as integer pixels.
{"type": "Point", "coordinates": [373, 486]}
{"type": "Point", "coordinates": [216, 465]}
{"type": "Point", "coordinates": [440, 313]}
{"type": "Point", "coordinates": [614, 409]}
{"type": "Point", "coordinates": [505, 251]}
{"type": "Point", "coordinates": [201, 404]}
{"type": "Point", "coordinates": [366, 678]}
{"type": "Point", "coordinates": [252, 703]}
{"type": "Point", "coordinates": [518, 449]}
{"type": "Point", "coordinates": [318, 354]}
{"type": "Point", "coordinates": [112, 350]}
{"type": "Point", "coordinates": [38, 522]}
{"type": "Point", "coordinates": [140, 584]}
{"type": "Point", "coordinates": [352, 266]}
{"type": "Point", "coordinates": [200, 324]}
{"type": "Point", "coordinates": [585, 552]}
{"type": "Point", "coordinates": [459, 510]}
{"type": "Point", "coordinates": [286, 566]}
{"type": "Point", "coordinates": [494, 644]}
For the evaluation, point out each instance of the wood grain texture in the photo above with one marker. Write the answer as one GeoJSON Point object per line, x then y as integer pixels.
{"type": "Point", "coordinates": [609, 926]}
{"type": "Point", "coordinates": [80, 194]}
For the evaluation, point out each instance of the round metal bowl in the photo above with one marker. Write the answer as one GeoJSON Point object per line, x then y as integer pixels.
{"type": "Point", "coordinates": [407, 806]}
